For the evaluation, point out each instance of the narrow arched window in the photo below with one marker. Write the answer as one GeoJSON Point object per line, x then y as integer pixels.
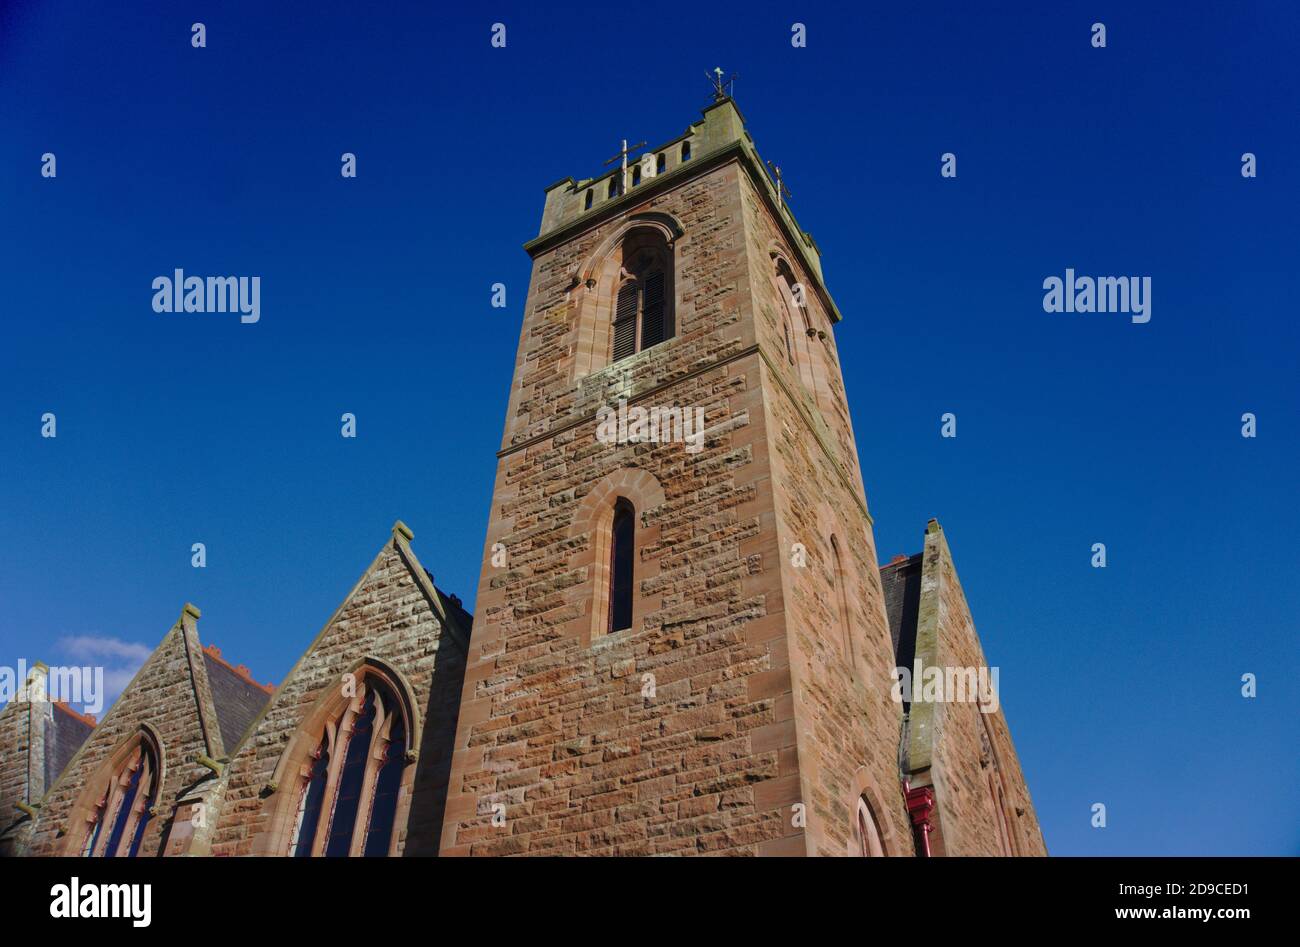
{"type": "Point", "coordinates": [866, 832]}
{"type": "Point", "coordinates": [643, 306]}
{"type": "Point", "coordinates": [586, 204]}
{"type": "Point", "coordinates": [350, 785]}
{"type": "Point", "coordinates": [845, 615]}
{"type": "Point", "coordinates": [636, 174]}
{"type": "Point", "coordinates": [311, 798]}
{"type": "Point", "coordinates": [997, 794]}
{"type": "Point", "coordinates": [1000, 813]}
{"type": "Point", "coordinates": [621, 559]}
{"type": "Point", "coordinates": [612, 190]}
{"type": "Point", "coordinates": [379, 835]}
{"type": "Point", "coordinates": [802, 354]}
{"type": "Point", "coordinates": [686, 151]}
{"type": "Point", "coordinates": [343, 822]}
{"type": "Point", "coordinates": [123, 812]}
{"type": "Point", "coordinates": [661, 162]}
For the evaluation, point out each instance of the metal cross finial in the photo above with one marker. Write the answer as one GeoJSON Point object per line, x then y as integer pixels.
{"type": "Point", "coordinates": [623, 155]}
{"type": "Point", "coordinates": [722, 89]}
{"type": "Point", "coordinates": [781, 189]}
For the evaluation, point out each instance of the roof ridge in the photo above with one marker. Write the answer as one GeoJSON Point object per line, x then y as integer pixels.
{"type": "Point", "coordinates": [242, 671]}
{"type": "Point", "coordinates": [84, 718]}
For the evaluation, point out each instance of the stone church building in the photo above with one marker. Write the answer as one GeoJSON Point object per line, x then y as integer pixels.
{"type": "Point", "coordinates": [683, 641]}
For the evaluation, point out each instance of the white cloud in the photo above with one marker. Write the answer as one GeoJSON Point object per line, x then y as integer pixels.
{"type": "Point", "coordinates": [84, 647]}
{"type": "Point", "coordinates": [119, 659]}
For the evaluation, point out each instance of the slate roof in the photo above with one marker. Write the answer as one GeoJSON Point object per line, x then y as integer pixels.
{"type": "Point", "coordinates": [237, 697]}
{"type": "Point", "coordinates": [65, 731]}
{"type": "Point", "coordinates": [460, 619]}
{"type": "Point", "coordinates": [901, 580]}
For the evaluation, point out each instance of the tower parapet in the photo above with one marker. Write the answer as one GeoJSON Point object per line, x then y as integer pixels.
{"type": "Point", "coordinates": [573, 206]}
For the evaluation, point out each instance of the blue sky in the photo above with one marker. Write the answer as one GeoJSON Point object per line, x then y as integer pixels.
{"type": "Point", "coordinates": [1121, 685]}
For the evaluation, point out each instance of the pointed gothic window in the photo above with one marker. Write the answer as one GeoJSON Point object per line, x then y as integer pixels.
{"type": "Point", "coordinates": [612, 190]}
{"type": "Point", "coordinates": [1000, 813]}
{"type": "Point", "coordinates": [686, 151]}
{"type": "Point", "coordinates": [642, 311]}
{"type": "Point", "coordinates": [622, 554]}
{"type": "Point", "coordinates": [844, 614]}
{"type": "Point", "coordinates": [804, 354]}
{"type": "Point", "coordinates": [866, 832]}
{"type": "Point", "coordinates": [350, 785]}
{"type": "Point", "coordinates": [661, 162]}
{"type": "Point", "coordinates": [313, 794]}
{"type": "Point", "coordinates": [119, 818]}
{"type": "Point", "coordinates": [997, 795]}
{"type": "Point", "coordinates": [586, 204]}
{"type": "Point", "coordinates": [636, 175]}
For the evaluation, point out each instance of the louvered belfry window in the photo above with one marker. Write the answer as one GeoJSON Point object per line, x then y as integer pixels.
{"type": "Point", "coordinates": [642, 314]}
{"type": "Point", "coordinates": [625, 320]}
{"type": "Point", "coordinates": [640, 292]}
{"type": "Point", "coordinates": [652, 310]}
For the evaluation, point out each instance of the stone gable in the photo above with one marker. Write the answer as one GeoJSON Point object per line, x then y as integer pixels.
{"type": "Point", "coordinates": [170, 696]}
{"type": "Point", "coordinates": [393, 615]}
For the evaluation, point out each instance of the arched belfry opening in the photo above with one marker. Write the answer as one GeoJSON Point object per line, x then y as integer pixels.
{"type": "Point", "coordinates": [628, 299]}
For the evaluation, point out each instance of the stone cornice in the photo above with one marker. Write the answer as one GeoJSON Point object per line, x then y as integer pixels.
{"type": "Point", "coordinates": [739, 151]}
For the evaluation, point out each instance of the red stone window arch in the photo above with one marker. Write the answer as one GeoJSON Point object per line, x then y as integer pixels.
{"type": "Point", "coordinates": [805, 350]}
{"type": "Point", "coordinates": [349, 789]}
{"type": "Point", "coordinates": [866, 831]}
{"type": "Point", "coordinates": [643, 311]}
{"type": "Point", "coordinates": [801, 350]}
{"type": "Point", "coordinates": [997, 790]}
{"type": "Point", "coordinates": [123, 800]}
{"type": "Point", "coordinates": [616, 525]}
{"type": "Point", "coordinates": [625, 292]}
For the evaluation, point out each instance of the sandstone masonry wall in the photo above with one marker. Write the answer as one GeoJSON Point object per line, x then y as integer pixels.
{"type": "Point", "coordinates": [168, 695]}
{"type": "Point", "coordinates": [391, 615]}
{"type": "Point", "coordinates": [949, 749]}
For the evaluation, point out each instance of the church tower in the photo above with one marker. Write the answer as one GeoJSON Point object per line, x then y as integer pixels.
{"type": "Point", "coordinates": [681, 643]}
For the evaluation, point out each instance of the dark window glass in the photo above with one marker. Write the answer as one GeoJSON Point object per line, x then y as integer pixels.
{"type": "Point", "coordinates": [686, 151]}
{"type": "Point", "coordinates": [97, 828]}
{"type": "Point", "coordinates": [621, 557]}
{"type": "Point", "coordinates": [145, 814]}
{"type": "Point", "coordinates": [590, 196]}
{"type": "Point", "coordinates": [350, 779]}
{"type": "Point", "coordinates": [315, 795]}
{"type": "Point", "coordinates": [124, 809]}
{"type": "Point", "coordinates": [389, 781]}
{"type": "Point", "coordinates": [636, 175]}
{"type": "Point", "coordinates": [613, 187]}
{"type": "Point", "coordinates": [661, 162]}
